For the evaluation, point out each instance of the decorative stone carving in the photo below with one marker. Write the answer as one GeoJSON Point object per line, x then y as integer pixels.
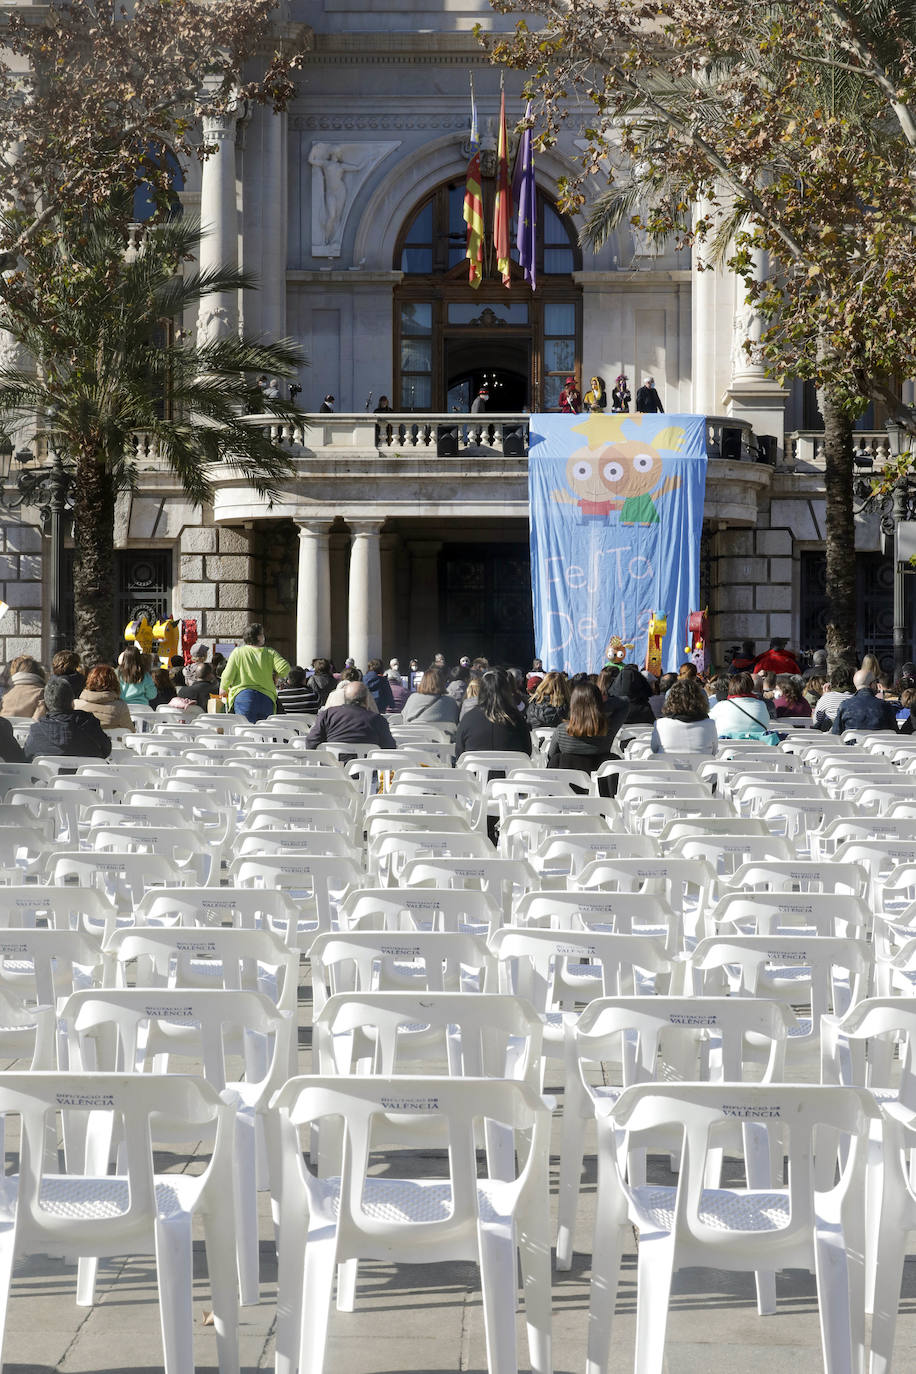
{"type": "Point", "coordinates": [213, 324]}
{"type": "Point", "coordinates": [10, 352]}
{"type": "Point", "coordinates": [338, 172]}
{"type": "Point", "coordinates": [377, 121]}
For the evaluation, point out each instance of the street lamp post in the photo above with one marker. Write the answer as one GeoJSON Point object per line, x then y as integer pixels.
{"type": "Point", "coordinates": [48, 488]}
{"type": "Point", "coordinates": [899, 506]}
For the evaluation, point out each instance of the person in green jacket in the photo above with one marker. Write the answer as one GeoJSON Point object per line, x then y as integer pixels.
{"type": "Point", "coordinates": [248, 677]}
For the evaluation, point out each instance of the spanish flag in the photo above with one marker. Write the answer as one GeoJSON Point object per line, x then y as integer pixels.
{"type": "Point", "coordinates": [502, 215]}
{"type": "Point", "coordinates": [473, 205]}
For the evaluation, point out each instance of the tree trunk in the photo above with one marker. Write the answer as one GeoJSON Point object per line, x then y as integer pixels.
{"type": "Point", "coordinates": [840, 532]}
{"type": "Point", "coordinates": [93, 578]}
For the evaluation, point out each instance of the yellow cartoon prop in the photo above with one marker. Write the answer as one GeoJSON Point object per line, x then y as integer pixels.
{"type": "Point", "coordinates": [168, 633]}
{"type": "Point", "coordinates": [658, 628]}
{"type": "Point", "coordinates": [616, 651]}
{"type": "Point", "coordinates": [140, 633]}
{"type": "Point", "coordinates": [698, 638]}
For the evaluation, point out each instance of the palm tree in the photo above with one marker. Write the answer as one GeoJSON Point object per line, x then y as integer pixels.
{"type": "Point", "coordinates": [101, 324]}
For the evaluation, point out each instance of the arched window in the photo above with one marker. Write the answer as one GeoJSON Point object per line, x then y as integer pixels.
{"type": "Point", "coordinates": [452, 339]}
{"type": "Point", "coordinates": [159, 175]}
{"type": "Point", "coordinates": [435, 238]}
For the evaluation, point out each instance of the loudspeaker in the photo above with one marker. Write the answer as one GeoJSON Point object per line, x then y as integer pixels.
{"type": "Point", "coordinates": [446, 441]}
{"type": "Point", "coordinates": [515, 441]}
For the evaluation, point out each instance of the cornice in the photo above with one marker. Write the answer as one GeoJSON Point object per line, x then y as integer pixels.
{"type": "Point", "coordinates": [301, 122]}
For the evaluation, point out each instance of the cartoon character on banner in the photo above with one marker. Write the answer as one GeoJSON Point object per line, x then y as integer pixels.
{"type": "Point", "coordinates": [613, 474]}
{"type": "Point", "coordinates": [698, 638]}
{"type": "Point", "coordinates": [167, 632]}
{"type": "Point", "coordinates": [140, 633]}
{"type": "Point", "coordinates": [616, 652]}
{"type": "Point", "coordinates": [189, 638]}
{"type": "Point", "coordinates": [658, 628]}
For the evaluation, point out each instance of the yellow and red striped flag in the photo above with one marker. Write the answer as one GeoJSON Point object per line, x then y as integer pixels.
{"type": "Point", "coordinates": [473, 205]}
{"type": "Point", "coordinates": [502, 214]}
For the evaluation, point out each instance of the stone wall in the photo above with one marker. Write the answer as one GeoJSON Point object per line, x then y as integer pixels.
{"type": "Point", "coordinates": [217, 577]}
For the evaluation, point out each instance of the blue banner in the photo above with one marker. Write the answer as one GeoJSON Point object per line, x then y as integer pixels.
{"type": "Point", "coordinates": [616, 513]}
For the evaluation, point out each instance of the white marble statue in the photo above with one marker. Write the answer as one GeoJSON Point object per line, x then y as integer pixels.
{"type": "Point", "coordinates": [338, 172]}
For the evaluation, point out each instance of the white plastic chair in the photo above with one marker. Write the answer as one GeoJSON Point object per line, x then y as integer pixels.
{"type": "Point", "coordinates": [797, 875]}
{"type": "Point", "coordinates": [123, 878]}
{"type": "Point", "coordinates": [503, 879]}
{"type": "Point", "coordinates": [895, 1225]}
{"type": "Point", "coordinates": [801, 1224]}
{"type": "Point", "coordinates": [521, 834]}
{"type": "Point", "coordinates": [218, 957]}
{"type": "Point", "coordinates": [60, 908]}
{"type": "Point", "coordinates": [325, 880]}
{"type": "Point", "coordinates": [421, 908]}
{"type": "Point", "coordinates": [686, 884]}
{"type": "Point", "coordinates": [466, 1035]}
{"type": "Point", "coordinates": [483, 763]}
{"type": "Point", "coordinates": [418, 961]}
{"type": "Point", "coordinates": [559, 972]}
{"type": "Point", "coordinates": [563, 858]}
{"type": "Point", "coordinates": [325, 1222]}
{"type": "Point", "coordinates": [790, 913]}
{"type": "Point", "coordinates": [93, 1215]}
{"type": "Point", "coordinates": [655, 1039]}
{"type": "Point", "coordinates": [242, 1044]}
{"type": "Point", "coordinates": [246, 908]}
{"type": "Point", "coordinates": [818, 975]}
{"type": "Point", "coordinates": [390, 854]}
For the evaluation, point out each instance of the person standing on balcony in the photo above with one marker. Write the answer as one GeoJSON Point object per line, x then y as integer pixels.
{"type": "Point", "coordinates": [570, 398]}
{"type": "Point", "coordinates": [248, 678]}
{"type": "Point", "coordinates": [327, 405]}
{"type": "Point", "coordinates": [648, 401]}
{"type": "Point", "coordinates": [620, 396]}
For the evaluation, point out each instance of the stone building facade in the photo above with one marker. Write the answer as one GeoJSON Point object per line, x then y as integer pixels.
{"type": "Point", "coordinates": [410, 535]}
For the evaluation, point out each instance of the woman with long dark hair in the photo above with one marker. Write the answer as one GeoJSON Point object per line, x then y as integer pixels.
{"type": "Point", "coordinates": [585, 741]}
{"type": "Point", "coordinates": [137, 685]}
{"type": "Point", "coordinates": [495, 722]}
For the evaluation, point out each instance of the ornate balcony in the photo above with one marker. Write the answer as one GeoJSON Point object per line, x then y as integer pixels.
{"type": "Point", "coordinates": [423, 465]}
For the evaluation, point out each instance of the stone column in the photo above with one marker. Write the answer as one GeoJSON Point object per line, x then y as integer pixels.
{"type": "Point", "coordinates": [273, 221]}
{"type": "Point", "coordinates": [313, 593]}
{"type": "Point", "coordinates": [703, 342]}
{"type": "Point", "coordinates": [424, 598]}
{"type": "Point", "coordinates": [365, 603]}
{"type": "Point", "coordinates": [389, 548]}
{"type": "Point", "coordinates": [219, 244]}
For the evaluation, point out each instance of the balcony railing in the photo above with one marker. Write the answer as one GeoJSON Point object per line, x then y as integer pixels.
{"type": "Point", "coordinates": [504, 435]}
{"type": "Point", "coordinates": [805, 448]}
{"type": "Point", "coordinates": [412, 436]}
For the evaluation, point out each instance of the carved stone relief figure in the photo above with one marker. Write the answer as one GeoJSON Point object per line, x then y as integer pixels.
{"type": "Point", "coordinates": [338, 172]}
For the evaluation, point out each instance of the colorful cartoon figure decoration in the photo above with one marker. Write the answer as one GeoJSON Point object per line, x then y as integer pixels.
{"type": "Point", "coordinates": [140, 633]}
{"type": "Point", "coordinates": [658, 628]}
{"type": "Point", "coordinates": [698, 638]}
{"type": "Point", "coordinates": [612, 474]}
{"type": "Point", "coordinates": [570, 400]}
{"type": "Point", "coordinates": [595, 399]}
{"type": "Point", "coordinates": [616, 651]}
{"type": "Point", "coordinates": [167, 632]}
{"type": "Point", "coordinates": [189, 638]}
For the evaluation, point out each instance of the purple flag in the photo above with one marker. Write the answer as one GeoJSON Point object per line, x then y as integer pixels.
{"type": "Point", "coordinates": [524, 195]}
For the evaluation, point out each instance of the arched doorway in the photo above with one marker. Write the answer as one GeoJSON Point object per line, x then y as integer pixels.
{"type": "Point", "coordinates": [451, 339]}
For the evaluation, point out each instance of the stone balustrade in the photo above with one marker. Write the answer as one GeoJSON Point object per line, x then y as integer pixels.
{"type": "Point", "coordinates": [805, 449]}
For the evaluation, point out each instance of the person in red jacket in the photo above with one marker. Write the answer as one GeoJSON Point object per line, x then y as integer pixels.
{"type": "Point", "coordinates": [776, 659]}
